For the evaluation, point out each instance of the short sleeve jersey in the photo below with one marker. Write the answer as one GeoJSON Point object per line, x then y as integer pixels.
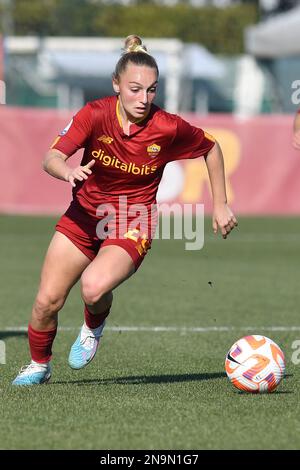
{"type": "Point", "coordinates": [127, 165]}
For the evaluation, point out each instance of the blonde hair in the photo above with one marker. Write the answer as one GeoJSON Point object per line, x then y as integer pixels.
{"type": "Point", "coordinates": [134, 44]}
{"type": "Point", "coordinates": [134, 51]}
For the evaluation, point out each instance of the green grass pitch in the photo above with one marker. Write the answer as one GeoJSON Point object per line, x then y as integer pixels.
{"type": "Point", "coordinates": [158, 389]}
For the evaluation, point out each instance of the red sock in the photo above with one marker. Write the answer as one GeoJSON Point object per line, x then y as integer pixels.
{"type": "Point", "coordinates": [40, 343]}
{"type": "Point", "coordinates": [94, 320]}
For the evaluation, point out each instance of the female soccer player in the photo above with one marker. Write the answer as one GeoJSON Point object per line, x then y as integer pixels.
{"type": "Point", "coordinates": [127, 141]}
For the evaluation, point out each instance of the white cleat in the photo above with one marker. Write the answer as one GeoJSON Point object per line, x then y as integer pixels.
{"type": "Point", "coordinates": [85, 346]}
{"type": "Point", "coordinates": [33, 374]}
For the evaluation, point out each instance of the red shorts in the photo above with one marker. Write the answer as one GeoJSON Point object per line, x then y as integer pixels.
{"type": "Point", "coordinates": [81, 230]}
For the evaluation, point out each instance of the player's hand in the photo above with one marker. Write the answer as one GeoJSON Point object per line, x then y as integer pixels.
{"type": "Point", "coordinates": [80, 173]}
{"type": "Point", "coordinates": [296, 140]}
{"type": "Point", "coordinates": [223, 219]}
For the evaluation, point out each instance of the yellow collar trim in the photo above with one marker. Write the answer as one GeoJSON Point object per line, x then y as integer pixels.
{"type": "Point", "coordinates": [120, 118]}
{"type": "Point", "coordinates": [118, 113]}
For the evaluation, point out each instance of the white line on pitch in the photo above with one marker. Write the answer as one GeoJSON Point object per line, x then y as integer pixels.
{"type": "Point", "coordinates": [176, 329]}
{"type": "Point", "coordinates": [272, 238]}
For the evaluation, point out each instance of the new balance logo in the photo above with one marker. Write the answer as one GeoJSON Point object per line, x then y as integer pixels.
{"type": "Point", "coordinates": [106, 139]}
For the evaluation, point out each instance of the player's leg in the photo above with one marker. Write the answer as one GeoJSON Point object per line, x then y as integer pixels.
{"type": "Point", "coordinates": [63, 266]}
{"type": "Point", "coordinates": [112, 266]}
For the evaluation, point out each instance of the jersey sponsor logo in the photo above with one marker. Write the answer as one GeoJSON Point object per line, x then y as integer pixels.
{"type": "Point", "coordinates": [105, 139]}
{"type": "Point", "coordinates": [113, 161]}
{"type": "Point", "coordinates": [153, 150]}
{"type": "Point", "coordinates": [65, 130]}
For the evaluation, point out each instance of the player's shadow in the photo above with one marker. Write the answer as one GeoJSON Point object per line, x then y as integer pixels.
{"type": "Point", "coordinates": [12, 334]}
{"type": "Point", "coordinates": [161, 379]}
{"type": "Point", "coordinates": [147, 379]}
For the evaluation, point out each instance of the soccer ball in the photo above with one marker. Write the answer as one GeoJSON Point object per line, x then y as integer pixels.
{"type": "Point", "coordinates": [255, 364]}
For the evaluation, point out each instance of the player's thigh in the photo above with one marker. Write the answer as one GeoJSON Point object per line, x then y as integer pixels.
{"type": "Point", "coordinates": [63, 266]}
{"type": "Point", "coordinates": [110, 268]}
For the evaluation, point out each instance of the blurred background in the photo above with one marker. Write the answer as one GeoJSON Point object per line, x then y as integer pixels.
{"type": "Point", "coordinates": [229, 66]}
{"type": "Point", "coordinates": [233, 68]}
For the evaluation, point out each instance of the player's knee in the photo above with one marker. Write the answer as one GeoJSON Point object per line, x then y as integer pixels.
{"type": "Point", "coordinates": [93, 290]}
{"type": "Point", "coordinates": [47, 305]}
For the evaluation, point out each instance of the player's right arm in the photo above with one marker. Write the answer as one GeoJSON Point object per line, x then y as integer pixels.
{"type": "Point", "coordinates": [72, 138]}
{"type": "Point", "coordinates": [296, 137]}
{"type": "Point", "coordinates": [55, 164]}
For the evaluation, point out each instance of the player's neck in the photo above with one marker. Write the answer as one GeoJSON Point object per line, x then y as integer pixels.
{"type": "Point", "coordinates": [126, 119]}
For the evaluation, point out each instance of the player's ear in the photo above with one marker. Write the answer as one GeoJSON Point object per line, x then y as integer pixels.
{"type": "Point", "coordinates": [115, 84]}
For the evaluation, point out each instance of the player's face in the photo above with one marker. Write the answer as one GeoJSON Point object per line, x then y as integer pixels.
{"type": "Point", "coordinates": [137, 89]}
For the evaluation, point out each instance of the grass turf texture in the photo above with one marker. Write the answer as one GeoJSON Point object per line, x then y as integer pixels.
{"type": "Point", "coordinates": [158, 390]}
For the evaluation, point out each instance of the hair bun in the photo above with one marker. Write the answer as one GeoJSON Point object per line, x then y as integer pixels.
{"type": "Point", "coordinates": [134, 43]}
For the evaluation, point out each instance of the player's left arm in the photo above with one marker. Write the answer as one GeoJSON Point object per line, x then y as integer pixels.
{"type": "Point", "coordinates": [223, 217]}
{"type": "Point", "coordinates": [296, 133]}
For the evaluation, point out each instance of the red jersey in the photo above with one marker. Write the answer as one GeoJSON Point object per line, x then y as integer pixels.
{"type": "Point", "coordinates": [127, 165]}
